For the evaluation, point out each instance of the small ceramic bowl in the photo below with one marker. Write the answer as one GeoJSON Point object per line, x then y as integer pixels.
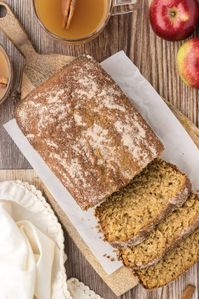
{"type": "Point", "coordinates": [10, 79]}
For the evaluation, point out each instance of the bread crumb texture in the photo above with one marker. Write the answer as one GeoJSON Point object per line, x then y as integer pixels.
{"type": "Point", "coordinates": [129, 214]}
{"type": "Point", "coordinates": [164, 237]}
{"type": "Point", "coordinates": [174, 264]}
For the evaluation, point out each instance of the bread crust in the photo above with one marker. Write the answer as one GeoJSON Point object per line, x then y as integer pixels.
{"type": "Point", "coordinates": [87, 131]}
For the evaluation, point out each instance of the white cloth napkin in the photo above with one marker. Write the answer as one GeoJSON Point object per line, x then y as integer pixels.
{"type": "Point", "coordinates": [32, 248]}
{"type": "Point", "coordinates": [26, 258]}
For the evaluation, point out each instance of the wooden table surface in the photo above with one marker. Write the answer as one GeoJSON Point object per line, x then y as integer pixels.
{"type": "Point", "coordinates": [156, 60]}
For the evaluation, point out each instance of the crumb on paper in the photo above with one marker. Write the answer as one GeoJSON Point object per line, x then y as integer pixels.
{"type": "Point", "coordinates": [98, 228]}
{"type": "Point", "coordinates": [106, 255]}
{"type": "Point", "coordinates": [112, 259]}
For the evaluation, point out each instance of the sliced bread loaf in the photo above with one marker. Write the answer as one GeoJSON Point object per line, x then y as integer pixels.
{"type": "Point", "coordinates": [164, 237]}
{"type": "Point", "coordinates": [127, 217]}
{"type": "Point", "coordinates": [174, 264]}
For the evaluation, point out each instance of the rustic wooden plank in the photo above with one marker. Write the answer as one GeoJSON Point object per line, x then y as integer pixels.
{"type": "Point", "coordinates": [156, 60]}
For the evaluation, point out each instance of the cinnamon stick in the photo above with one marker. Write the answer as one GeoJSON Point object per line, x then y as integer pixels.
{"type": "Point", "coordinates": [71, 13]}
{"type": "Point", "coordinates": [65, 6]}
{"type": "Point", "coordinates": [68, 9]}
{"type": "Point", "coordinates": [188, 292]}
{"type": "Point", "coordinates": [3, 82]}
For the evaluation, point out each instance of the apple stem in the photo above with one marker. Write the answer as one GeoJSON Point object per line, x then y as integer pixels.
{"type": "Point", "coordinates": [172, 13]}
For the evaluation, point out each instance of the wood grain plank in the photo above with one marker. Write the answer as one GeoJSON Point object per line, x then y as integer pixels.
{"type": "Point", "coordinates": [10, 156]}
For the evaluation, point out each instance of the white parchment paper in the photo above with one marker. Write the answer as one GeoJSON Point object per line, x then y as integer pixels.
{"type": "Point", "coordinates": [179, 149]}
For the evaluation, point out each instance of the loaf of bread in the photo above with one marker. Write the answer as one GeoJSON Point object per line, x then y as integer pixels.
{"type": "Point", "coordinates": [164, 237]}
{"type": "Point", "coordinates": [174, 264]}
{"type": "Point", "coordinates": [87, 131]}
{"type": "Point", "coordinates": [128, 216]}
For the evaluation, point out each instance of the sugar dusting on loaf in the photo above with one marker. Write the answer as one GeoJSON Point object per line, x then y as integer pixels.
{"type": "Point", "coordinates": [87, 131]}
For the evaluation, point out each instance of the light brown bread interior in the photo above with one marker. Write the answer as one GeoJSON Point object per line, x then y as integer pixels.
{"type": "Point", "coordinates": [129, 215]}
{"type": "Point", "coordinates": [164, 237]}
{"type": "Point", "coordinates": [174, 264]}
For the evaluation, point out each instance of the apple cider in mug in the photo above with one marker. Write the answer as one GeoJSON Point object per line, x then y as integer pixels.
{"type": "Point", "coordinates": [72, 19]}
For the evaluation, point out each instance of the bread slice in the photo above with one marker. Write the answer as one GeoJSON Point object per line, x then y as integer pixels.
{"type": "Point", "coordinates": [127, 217]}
{"type": "Point", "coordinates": [174, 264]}
{"type": "Point", "coordinates": [164, 237]}
{"type": "Point", "coordinates": [87, 131]}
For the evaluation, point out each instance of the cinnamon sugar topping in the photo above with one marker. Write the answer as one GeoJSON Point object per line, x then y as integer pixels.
{"type": "Point", "coordinates": [87, 131]}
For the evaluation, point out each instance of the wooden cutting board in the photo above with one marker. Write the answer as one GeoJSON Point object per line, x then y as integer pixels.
{"type": "Point", "coordinates": [37, 69]}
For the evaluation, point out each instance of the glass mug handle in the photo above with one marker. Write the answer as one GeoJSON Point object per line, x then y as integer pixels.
{"type": "Point", "coordinates": [121, 7]}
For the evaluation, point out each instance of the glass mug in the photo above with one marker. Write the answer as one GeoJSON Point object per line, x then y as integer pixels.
{"type": "Point", "coordinates": [113, 7]}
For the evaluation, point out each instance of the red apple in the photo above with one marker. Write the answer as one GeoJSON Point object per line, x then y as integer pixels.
{"type": "Point", "coordinates": [174, 19]}
{"type": "Point", "coordinates": [188, 62]}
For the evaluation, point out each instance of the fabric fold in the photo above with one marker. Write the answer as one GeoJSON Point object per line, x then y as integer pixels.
{"type": "Point", "coordinates": [26, 258]}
